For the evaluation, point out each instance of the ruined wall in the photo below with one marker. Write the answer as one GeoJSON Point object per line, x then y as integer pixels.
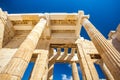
{"type": "Point", "coordinates": [7, 31]}
{"type": "Point", "coordinates": [118, 33]}
{"type": "Point", "coordinates": [1, 33]}
{"type": "Point", "coordinates": [115, 38]}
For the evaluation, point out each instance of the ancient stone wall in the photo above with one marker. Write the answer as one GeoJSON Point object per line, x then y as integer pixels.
{"type": "Point", "coordinates": [9, 32]}
{"type": "Point", "coordinates": [6, 29]}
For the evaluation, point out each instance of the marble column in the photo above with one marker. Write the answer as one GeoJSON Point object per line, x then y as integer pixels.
{"type": "Point", "coordinates": [41, 66]}
{"type": "Point", "coordinates": [105, 70]}
{"type": "Point", "coordinates": [19, 62]}
{"type": "Point", "coordinates": [87, 66]}
{"type": "Point", "coordinates": [109, 54]}
{"type": "Point", "coordinates": [75, 71]}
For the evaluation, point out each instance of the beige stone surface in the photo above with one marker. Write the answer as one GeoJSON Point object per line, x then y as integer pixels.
{"type": "Point", "coordinates": [108, 53]}
{"type": "Point", "coordinates": [46, 38]}
{"type": "Point", "coordinates": [75, 71]}
{"type": "Point", "coordinates": [18, 63]}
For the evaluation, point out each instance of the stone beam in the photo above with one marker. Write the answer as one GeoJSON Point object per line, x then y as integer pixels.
{"type": "Point", "coordinates": [63, 46]}
{"type": "Point", "coordinates": [50, 71]}
{"type": "Point", "coordinates": [73, 51]}
{"type": "Point", "coordinates": [65, 51]}
{"type": "Point", "coordinates": [63, 58]}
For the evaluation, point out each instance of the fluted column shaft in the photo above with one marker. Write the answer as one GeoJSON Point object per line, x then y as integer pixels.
{"type": "Point", "coordinates": [19, 62]}
{"type": "Point", "coordinates": [75, 71]}
{"type": "Point", "coordinates": [41, 66]}
{"type": "Point", "coordinates": [106, 71]}
{"type": "Point", "coordinates": [109, 54]}
{"type": "Point", "coordinates": [88, 70]}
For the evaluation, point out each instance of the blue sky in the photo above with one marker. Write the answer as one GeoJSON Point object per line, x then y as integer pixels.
{"type": "Point", "coordinates": [104, 14]}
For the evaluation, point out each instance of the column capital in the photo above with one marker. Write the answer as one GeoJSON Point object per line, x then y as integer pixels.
{"type": "Point", "coordinates": [81, 16]}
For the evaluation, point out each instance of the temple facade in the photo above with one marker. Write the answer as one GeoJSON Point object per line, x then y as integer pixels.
{"type": "Point", "coordinates": [55, 37]}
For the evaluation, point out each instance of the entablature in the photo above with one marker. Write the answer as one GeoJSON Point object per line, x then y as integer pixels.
{"type": "Point", "coordinates": [67, 24]}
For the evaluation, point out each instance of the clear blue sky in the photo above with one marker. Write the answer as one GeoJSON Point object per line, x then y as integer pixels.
{"type": "Point", "coordinates": [104, 14]}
